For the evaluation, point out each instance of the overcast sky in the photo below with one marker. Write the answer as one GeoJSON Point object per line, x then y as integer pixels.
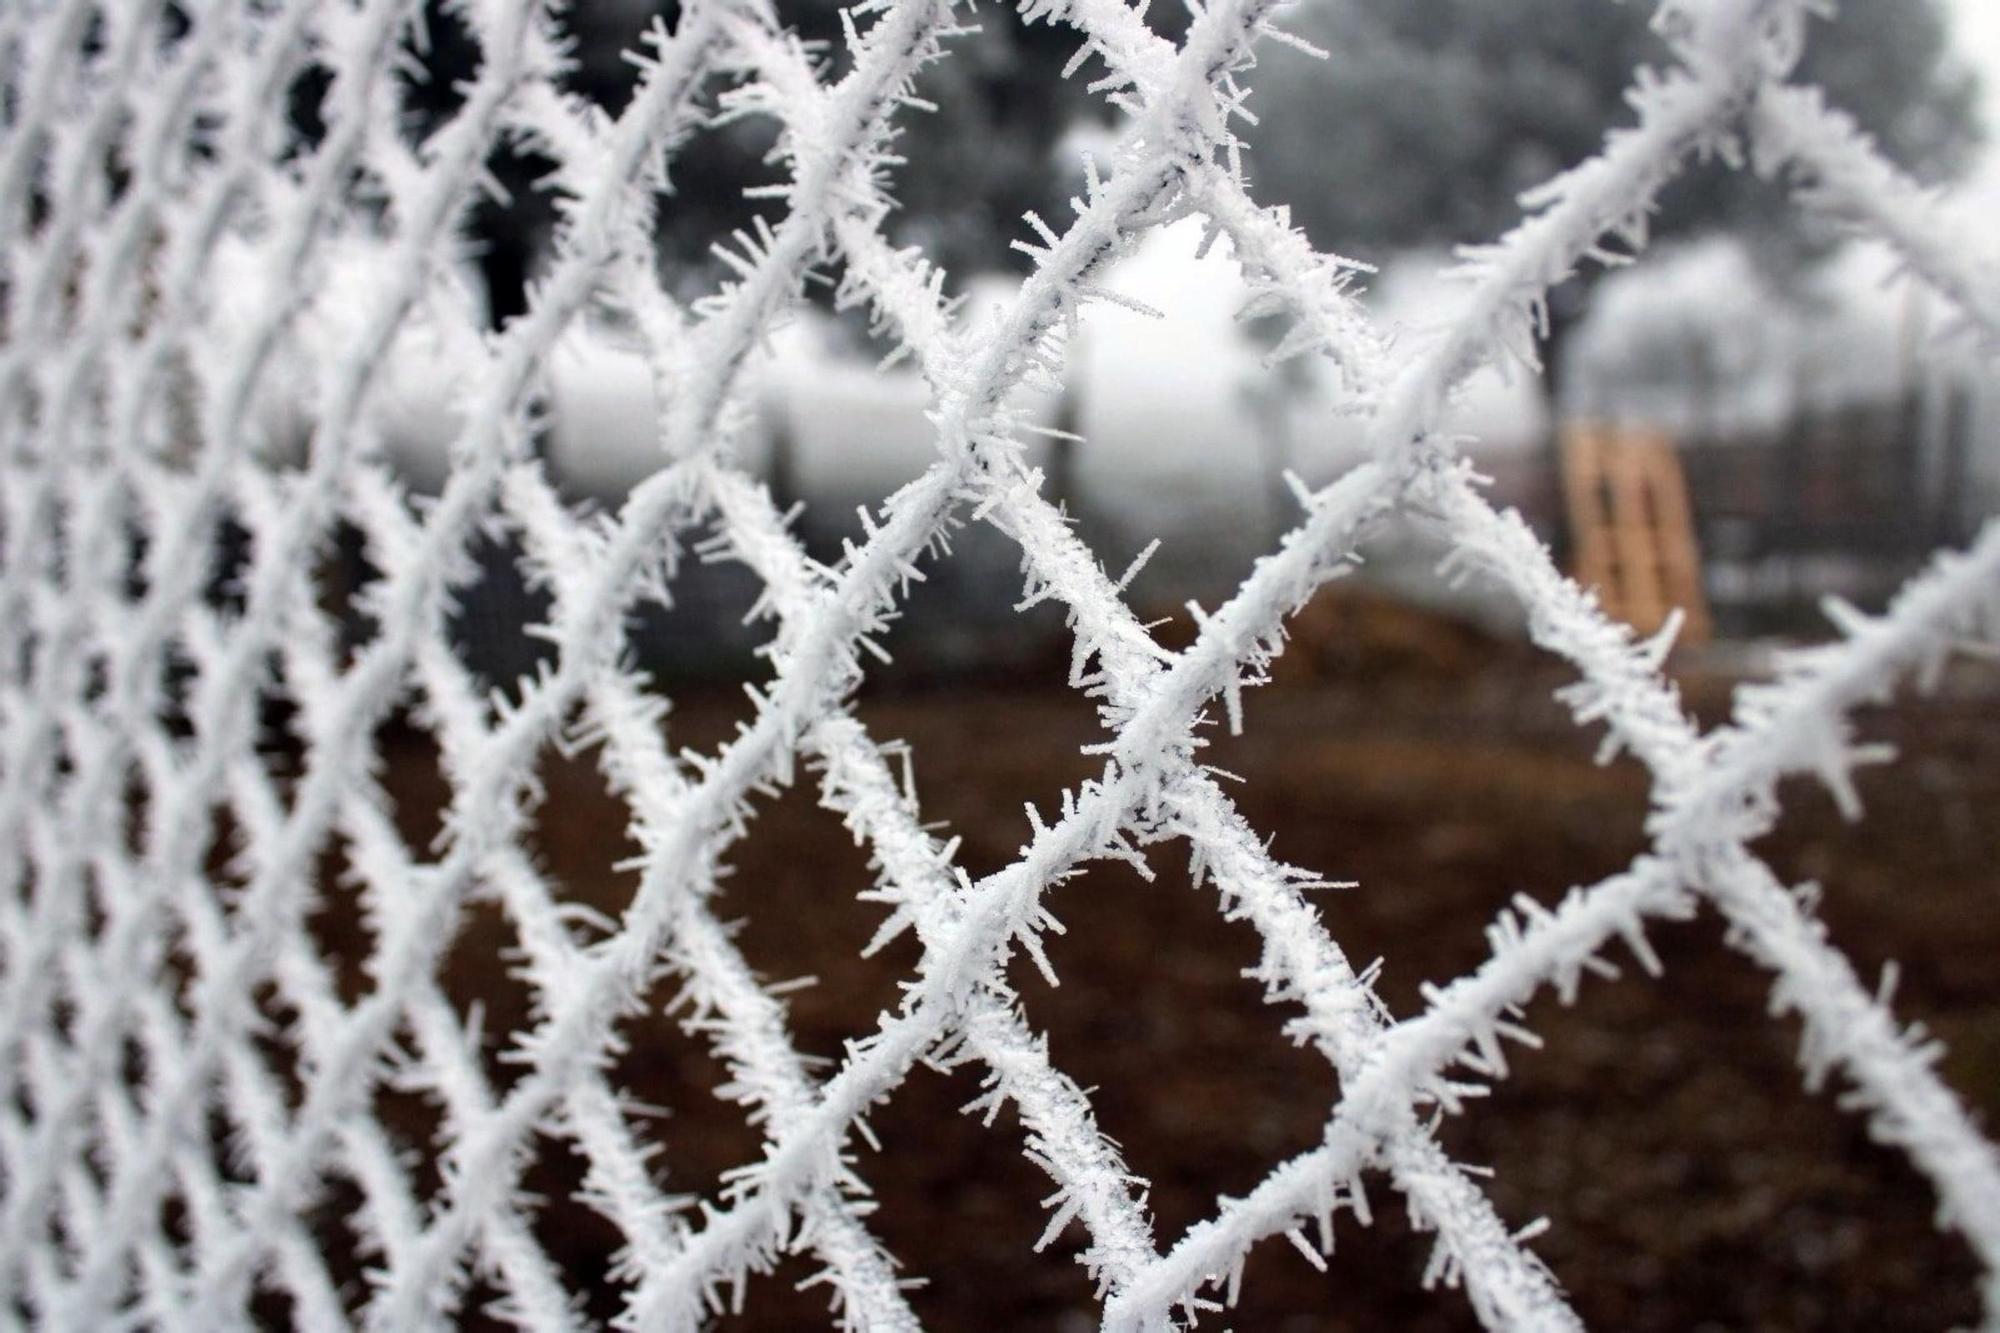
{"type": "Point", "coordinates": [1979, 30]}
{"type": "Point", "coordinates": [1979, 36]}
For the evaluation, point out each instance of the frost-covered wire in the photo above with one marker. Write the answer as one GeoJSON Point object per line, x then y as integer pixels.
{"type": "Point", "coordinates": [1836, 170]}
{"type": "Point", "coordinates": [121, 935]}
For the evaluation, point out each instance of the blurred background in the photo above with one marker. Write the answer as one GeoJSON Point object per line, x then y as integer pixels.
{"type": "Point", "coordinates": [1759, 413]}
{"type": "Point", "coordinates": [1823, 421]}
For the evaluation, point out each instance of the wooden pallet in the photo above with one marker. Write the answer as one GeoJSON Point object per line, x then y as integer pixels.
{"type": "Point", "coordinates": [1632, 528]}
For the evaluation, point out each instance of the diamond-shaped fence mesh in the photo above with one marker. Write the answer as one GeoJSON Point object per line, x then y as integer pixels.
{"type": "Point", "coordinates": [187, 1076]}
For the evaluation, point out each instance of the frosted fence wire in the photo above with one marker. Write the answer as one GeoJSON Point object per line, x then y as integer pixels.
{"type": "Point", "coordinates": [158, 322]}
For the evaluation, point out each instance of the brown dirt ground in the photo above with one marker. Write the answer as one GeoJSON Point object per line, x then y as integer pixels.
{"type": "Point", "coordinates": [1691, 1181]}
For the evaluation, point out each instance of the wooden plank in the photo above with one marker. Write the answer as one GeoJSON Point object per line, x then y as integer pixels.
{"type": "Point", "coordinates": [1642, 599]}
{"type": "Point", "coordinates": [1680, 554]}
{"type": "Point", "coordinates": [1633, 530]}
{"type": "Point", "coordinates": [1582, 453]}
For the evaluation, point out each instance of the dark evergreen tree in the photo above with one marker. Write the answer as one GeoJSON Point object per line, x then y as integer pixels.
{"type": "Point", "coordinates": [1427, 121]}
{"type": "Point", "coordinates": [976, 164]}
{"type": "Point", "coordinates": [1431, 116]}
